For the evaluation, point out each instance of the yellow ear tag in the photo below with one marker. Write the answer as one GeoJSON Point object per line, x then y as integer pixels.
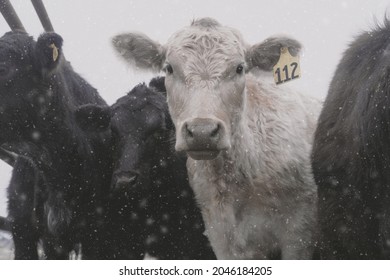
{"type": "Point", "coordinates": [55, 51]}
{"type": "Point", "coordinates": [287, 68]}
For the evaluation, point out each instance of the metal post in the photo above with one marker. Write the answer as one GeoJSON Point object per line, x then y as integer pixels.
{"type": "Point", "coordinates": [10, 16]}
{"type": "Point", "coordinates": [42, 14]}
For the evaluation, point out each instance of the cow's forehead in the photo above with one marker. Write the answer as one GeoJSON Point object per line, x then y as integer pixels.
{"type": "Point", "coordinates": [199, 41]}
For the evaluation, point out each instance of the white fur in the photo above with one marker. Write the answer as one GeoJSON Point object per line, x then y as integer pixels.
{"type": "Point", "coordinates": [260, 194]}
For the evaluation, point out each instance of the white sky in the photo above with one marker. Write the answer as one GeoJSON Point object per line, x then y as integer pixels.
{"type": "Point", "coordinates": [324, 28]}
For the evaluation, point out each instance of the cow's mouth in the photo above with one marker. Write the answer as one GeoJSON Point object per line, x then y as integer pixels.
{"type": "Point", "coordinates": [204, 155]}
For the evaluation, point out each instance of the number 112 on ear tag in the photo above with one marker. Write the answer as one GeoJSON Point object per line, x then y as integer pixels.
{"type": "Point", "coordinates": [287, 68]}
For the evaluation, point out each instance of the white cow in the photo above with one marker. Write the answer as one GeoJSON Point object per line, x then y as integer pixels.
{"type": "Point", "coordinates": [248, 140]}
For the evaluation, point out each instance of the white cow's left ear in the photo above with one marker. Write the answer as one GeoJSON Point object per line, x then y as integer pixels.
{"type": "Point", "coordinates": [139, 50]}
{"type": "Point", "coordinates": [266, 54]}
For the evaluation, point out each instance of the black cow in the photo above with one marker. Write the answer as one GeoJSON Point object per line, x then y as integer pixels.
{"type": "Point", "coordinates": [153, 204]}
{"type": "Point", "coordinates": [64, 173]}
{"type": "Point", "coordinates": [351, 153]}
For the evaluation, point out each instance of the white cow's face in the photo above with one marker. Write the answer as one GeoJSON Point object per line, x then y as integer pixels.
{"type": "Point", "coordinates": [205, 67]}
{"type": "Point", "coordinates": [205, 81]}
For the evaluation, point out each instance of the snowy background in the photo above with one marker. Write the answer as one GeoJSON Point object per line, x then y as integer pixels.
{"type": "Point", "coordinates": [324, 28]}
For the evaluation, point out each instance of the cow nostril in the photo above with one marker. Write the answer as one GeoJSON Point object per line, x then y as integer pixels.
{"type": "Point", "coordinates": [214, 133]}
{"type": "Point", "coordinates": [189, 132]}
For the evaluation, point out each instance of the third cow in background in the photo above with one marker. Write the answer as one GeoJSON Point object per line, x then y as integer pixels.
{"type": "Point", "coordinates": [351, 153]}
{"type": "Point", "coordinates": [152, 207]}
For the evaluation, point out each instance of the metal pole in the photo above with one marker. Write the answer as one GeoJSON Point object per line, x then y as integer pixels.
{"type": "Point", "coordinates": [42, 14]}
{"type": "Point", "coordinates": [10, 16]}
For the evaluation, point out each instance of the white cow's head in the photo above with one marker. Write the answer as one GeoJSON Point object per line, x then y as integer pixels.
{"type": "Point", "coordinates": [205, 66]}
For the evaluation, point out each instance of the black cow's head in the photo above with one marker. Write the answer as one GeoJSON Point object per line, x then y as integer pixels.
{"type": "Point", "coordinates": [140, 127]}
{"type": "Point", "coordinates": [26, 66]}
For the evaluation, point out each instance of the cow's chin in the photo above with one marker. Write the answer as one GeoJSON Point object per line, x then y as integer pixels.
{"type": "Point", "coordinates": [203, 155]}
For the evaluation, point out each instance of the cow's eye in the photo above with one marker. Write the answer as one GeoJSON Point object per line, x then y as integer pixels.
{"type": "Point", "coordinates": [168, 69]}
{"type": "Point", "coordinates": [240, 69]}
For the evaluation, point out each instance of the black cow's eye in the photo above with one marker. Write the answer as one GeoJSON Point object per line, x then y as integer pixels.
{"type": "Point", "coordinates": [168, 69]}
{"type": "Point", "coordinates": [239, 69]}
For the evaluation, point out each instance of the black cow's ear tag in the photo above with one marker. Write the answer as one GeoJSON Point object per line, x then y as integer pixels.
{"type": "Point", "coordinates": [287, 68]}
{"type": "Point", "coordinates": [55, 51]}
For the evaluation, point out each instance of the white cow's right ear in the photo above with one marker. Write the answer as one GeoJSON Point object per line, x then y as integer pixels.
{"type": "Point", "coordinates": [139, 50]}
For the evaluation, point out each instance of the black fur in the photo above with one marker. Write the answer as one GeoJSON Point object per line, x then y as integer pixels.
{"type": "Point", "coordinates": [153, 207]}
{"type": "Point", "coordinates": [61, 170]}
{"type": "Point", "coordinates": [351, 153]}
{"type": "Point", "coordinates": [25, 205]}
